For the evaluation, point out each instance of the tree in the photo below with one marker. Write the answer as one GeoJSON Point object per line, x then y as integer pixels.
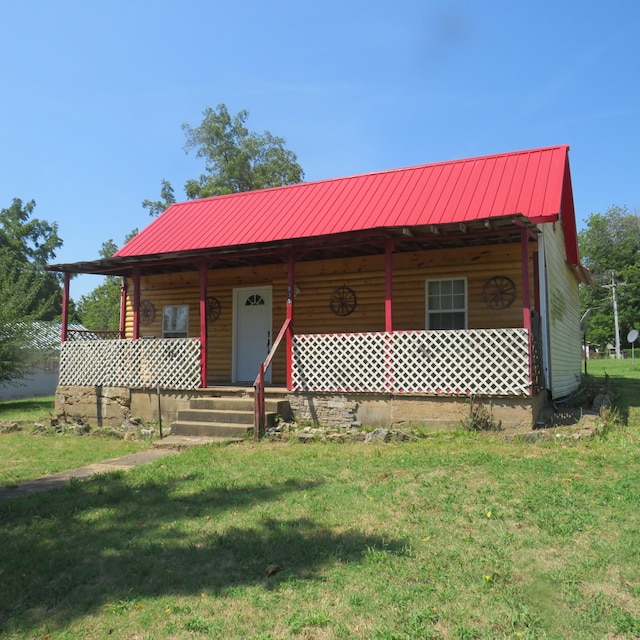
{"type": "Point", "coordinates": [27, 291]}
{"type": "Point", "coordinates": [610, 248]}
{"type": "Point", "coordinates": [156, 207]}
{"type": "Point", "coordinates": [236, 159]}
{"type": "Point", "coordinates": [100, 309]}
{"type": "Point", "coordinates": [28, 243]}
{"type": "Point", "coordinates": [19, 291]}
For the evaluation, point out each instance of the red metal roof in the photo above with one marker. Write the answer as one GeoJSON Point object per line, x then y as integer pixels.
{"type": "Point", "coordinates": [533, 183]}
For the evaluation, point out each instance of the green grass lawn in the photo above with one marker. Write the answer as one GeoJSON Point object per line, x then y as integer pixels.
{"type": "Point", "coordinates": [24, 456]}
{"type": "Point", "coordinates": [458, 536]}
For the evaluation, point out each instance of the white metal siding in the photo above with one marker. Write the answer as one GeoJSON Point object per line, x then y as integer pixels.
{"type": "Point", "coordinates": [564, 315]}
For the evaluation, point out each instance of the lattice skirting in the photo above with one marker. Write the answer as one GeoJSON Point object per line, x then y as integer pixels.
{"type": "Point", "coordinates": [170, 363]}
{"type": "Point", "coordinates": [487, 362]}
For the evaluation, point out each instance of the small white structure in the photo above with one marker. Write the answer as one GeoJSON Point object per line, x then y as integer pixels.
{"type": "Point", "coordinates": [41, 377]}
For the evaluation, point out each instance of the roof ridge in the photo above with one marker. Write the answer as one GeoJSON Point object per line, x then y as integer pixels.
{"type": "Point", "coordinates": [376, 173]}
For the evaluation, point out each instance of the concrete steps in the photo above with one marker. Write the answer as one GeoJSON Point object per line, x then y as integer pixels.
{"type": "Point", "coordinates": [225, 416]}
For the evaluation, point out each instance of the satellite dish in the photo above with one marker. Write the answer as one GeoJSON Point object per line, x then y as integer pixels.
{"type": "Point", "coordinates": [632, 336]}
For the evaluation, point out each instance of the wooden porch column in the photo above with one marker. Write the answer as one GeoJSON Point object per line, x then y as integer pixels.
{"type": "Point", "coordinates": [388, 285]}
{"type": "Point", "coordinates": [526, 297]}
{"type": "Point", "coordinates": [136, 302]}
{"type": "Point", "coordinates": [123, 307]}
{"type": "Point", "coordinates": [203, 325]}
{"type": "Point", "coordinates": [291, 294]}
{"type": "Point", "coordinates": [536, 282]}
{"type": "Point", "coordinates": [65, 306]}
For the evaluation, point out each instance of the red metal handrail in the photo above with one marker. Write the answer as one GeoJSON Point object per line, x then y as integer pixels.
{"type": "Point", "coordinates": [258, 385]}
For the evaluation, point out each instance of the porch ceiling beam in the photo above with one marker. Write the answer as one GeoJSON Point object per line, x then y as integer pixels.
{"type": "Point", "coordinates": [364, 242]}
{"type": "Point", "coordinates": [532, 233]}
{"type": "Point", "coordinates": [480, 234]}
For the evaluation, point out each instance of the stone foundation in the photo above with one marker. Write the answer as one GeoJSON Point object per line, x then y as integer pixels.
{"type": "Point", "coordinates": [111, 406]}
{"type": "Point", "coordinates": [409, 412]}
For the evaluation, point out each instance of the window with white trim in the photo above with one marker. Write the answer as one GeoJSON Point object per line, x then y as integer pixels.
{"type": "Point", "coordinates": [446, 304]}
{"type": "Point", "coordinates": [175, 321]}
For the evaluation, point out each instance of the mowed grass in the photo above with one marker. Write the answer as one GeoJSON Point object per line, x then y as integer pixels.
{"type": "Point", "coordinates": [460, 535]}
{"type": "Point", "coordinates": [27, 456]}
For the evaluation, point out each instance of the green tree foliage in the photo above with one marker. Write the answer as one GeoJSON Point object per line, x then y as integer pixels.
{"type": "Point", "coordinates": [236, 159]}
{"type": "Point", "coordinates": [19, 293]}
{"type": "Point", "coordinates": [27, 291]}
{"type": "Point", "coordinates": [27, 244]}
{"type": "Point", "coordinates": [100, 309]}
{"type": "Point", "coordinates": [156, 207]}
{"type": "Point", "coordinates": [610, 248]}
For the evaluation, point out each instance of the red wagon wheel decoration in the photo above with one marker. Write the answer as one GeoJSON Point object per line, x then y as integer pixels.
{"type": "Point", "coordinates": [499, 292]}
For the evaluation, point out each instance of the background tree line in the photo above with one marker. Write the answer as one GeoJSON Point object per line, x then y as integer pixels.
{"type": "Point", "coordinates": [610, 249]}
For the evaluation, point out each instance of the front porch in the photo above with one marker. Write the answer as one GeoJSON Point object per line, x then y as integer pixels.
{"type": "Point", "coordinates": [418, 378]}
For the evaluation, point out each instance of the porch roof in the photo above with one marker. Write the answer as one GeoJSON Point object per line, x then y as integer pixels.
{"type": "Point", "coordinates": [449, 203]}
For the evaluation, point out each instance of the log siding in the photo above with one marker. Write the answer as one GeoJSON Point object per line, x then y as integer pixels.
{"type": "Point", "coordinates": [315, 281]}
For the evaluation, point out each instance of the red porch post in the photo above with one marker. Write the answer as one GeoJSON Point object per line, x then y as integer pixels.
{"type": "Point", "coordinates": [123, 308]}
{"type": "Point", "coordinates": [388, 310]}
{"type": "Point", "coordinates": [203, 325]}
{"type": "Point", "coordinates": [536, 282]}
{"type": "Point", "coordinates": [388, 284]}
{"type": "Point", "coordinates": [136, 302]}
{"type": "Point", "coordinates": [65, 306]}
{"type": "Point", "coordinates": [526, 298]}
{"type": "Point", "coordinates": [291, 284]}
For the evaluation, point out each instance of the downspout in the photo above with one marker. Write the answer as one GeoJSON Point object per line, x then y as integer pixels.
{"type": "Point", "coordinates": [544, 311]}
{"type": "Point", "coordinates": [291, 288]}
{"type": "Point", "coordinates": [65, 307]}
{"type": "Point", "coordinates": [203, 325]}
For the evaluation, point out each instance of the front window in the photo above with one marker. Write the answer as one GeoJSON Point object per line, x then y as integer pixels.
{"type": "Point", "coordinates": [446, 304]}
{"type": "Point", "coordinates": [175, 321]}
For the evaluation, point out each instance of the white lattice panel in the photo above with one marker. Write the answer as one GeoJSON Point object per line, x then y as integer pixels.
{"type": "Point", "coordinates": [339, 362]}
{"type": "Point", "coordinates": [491, 362]}
{"type": "Point", "coordinates": [171, 363]}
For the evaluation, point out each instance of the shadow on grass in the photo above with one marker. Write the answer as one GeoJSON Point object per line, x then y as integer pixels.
{"type": "Point", "coordinates": [67, 553]}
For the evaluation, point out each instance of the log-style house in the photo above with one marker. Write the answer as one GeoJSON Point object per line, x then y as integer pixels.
{"type": "Point", "coordinates": [386, 298]}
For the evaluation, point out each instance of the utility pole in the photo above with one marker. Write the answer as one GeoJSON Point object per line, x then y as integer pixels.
{"type": "Point", "coordinates": [613, 286]}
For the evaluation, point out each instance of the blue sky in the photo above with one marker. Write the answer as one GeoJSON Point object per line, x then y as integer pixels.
{"type": "Point", "coordinates": [94, 94]}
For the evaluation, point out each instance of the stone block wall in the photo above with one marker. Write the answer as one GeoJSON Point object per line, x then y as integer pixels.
{"type": "Point", "coordinates": [111, 406]}
{"type": "Point", "coordinates": [98, 406]}
{"type": "Point", "coordinates": [417, 412]}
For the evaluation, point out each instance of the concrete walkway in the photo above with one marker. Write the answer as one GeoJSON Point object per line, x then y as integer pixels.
{"type": "Point", "coordinates": [168, 446]}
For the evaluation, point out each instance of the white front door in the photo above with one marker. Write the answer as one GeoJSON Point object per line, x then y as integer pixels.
{"type": "Point", "coordinates": [252, 332]}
